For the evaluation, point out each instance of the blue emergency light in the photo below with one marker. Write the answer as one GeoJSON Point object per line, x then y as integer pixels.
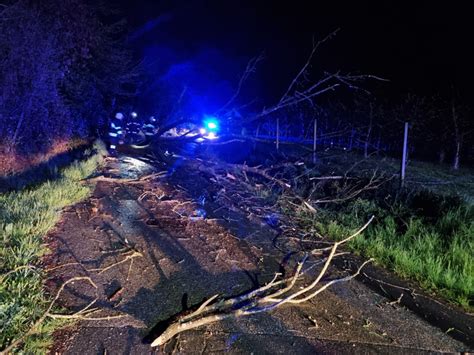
{"type": "Point", "coordinates": [211, 123]}
{"type": "Point", "coordinates": [210, 128]}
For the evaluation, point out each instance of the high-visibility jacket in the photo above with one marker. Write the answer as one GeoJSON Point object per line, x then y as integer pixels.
{"type": "Point", "coordinates": [149, 129]}
{"type": "Point", "coordinates": [116, 127]}
{"type": "Point", "coordinates": [134, 126]}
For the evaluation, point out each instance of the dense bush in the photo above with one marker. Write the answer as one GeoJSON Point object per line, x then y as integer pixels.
{"type": "Point", "coordinates": [62, 69]}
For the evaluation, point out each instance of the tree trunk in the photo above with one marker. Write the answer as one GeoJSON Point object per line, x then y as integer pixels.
{"type": "Point", "coordinates": [457, 136]}
{"type": "Point", "coordinates": [457, 155]}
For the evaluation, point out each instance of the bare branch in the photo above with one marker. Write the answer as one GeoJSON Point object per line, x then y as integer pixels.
{"type": "Point", "coordinates": [308, 62]}
{"type": "Point", "coordinates": [260, 300]}
{"type": "Point", "coordinates": [46, 314]}
{"type": "Point", "coordinates": [250, 69]}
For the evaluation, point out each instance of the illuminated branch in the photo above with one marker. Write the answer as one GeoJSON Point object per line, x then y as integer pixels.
{"type": "Point", "coordinates": [263, 299]}
{"type": "Point", "coordinates": [81, 314]}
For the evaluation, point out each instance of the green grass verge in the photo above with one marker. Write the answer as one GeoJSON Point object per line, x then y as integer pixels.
{"type": "Point", "coordinates": [25, 217]}
{"type": "Point", "coordinates": [433, 245]}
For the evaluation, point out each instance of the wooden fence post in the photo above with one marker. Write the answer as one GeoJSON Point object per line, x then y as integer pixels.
{"type": "Point", "coordinates": [315, 136]}
{"type": "Point", "coordinates": [404, 155]}
{"type": "Point", "coordinates": [278, 134]}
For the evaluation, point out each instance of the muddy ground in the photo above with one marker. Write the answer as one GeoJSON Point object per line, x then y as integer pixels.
{"type": "Point", "coordinates": [157, 247]}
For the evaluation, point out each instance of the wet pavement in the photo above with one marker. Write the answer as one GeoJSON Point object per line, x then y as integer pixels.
{"type": "Point", "coordinates": [182, 257]}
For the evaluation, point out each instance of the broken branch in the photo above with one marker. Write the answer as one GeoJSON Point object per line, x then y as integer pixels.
{"type": "Point", "coordinates": [263, 299]}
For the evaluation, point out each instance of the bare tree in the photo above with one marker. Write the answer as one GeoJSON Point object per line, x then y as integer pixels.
{"type": "Point", "coordinates": [461, 129]}
{"type": "Point", "coordinates": [302, 90]}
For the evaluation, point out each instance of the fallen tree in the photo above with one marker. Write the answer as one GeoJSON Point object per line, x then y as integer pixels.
{"type": "Point", "coordinates": [304, 89]}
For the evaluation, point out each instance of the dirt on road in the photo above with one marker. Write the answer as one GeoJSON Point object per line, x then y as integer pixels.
{"type": "Point", "coordinates": [156, 247]}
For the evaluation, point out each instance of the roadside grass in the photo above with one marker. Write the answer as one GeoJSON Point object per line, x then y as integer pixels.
{"type": "Point", "coordinates": [440, 179]}
{"type": "Point", "coordinates": [25, 217]}
{"type": "Point", "coordinates": [434, 246]}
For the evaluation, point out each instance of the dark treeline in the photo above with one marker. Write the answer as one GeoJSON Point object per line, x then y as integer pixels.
{"type": "Point", "coordinates": [63, 67]}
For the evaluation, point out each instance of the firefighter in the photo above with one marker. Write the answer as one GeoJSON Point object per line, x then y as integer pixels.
{"type": "Point", "coordinates": [115, 132]}
{"type": "Point", "coordinates": [133, 128]}
{"type": "Point", "coordinates": [149, 128]}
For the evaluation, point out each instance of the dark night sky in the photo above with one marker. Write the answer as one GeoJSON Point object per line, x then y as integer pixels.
{"type": "Point", "coordinates": [422, 47]}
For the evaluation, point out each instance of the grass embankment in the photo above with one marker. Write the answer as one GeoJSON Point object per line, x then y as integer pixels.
{"type": "Point", "coordinates": [25, 217]}
{"type": "Point", "coordinates": [424, 237]}
{"type": "Point", "coordinates": [437, 178]}
{"type": "Point", "coordinates": [11, 162]}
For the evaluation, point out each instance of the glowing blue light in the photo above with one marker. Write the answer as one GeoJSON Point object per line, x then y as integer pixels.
{"type": "Point", "coordinates": [211, 123]}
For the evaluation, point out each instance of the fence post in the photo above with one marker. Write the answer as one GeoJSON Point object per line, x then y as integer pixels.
{"type": "Point", "coordinates": [278, 134]}
{"type": "Point", "coordinates": [404, 155]}
{"type": "Point", "coordinates": [315, 136]}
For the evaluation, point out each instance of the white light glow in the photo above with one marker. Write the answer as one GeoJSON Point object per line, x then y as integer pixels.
{"type": "Point", "coordinates": [212, 125]}
{"type": "Point", "coordinates": [202, 131]}
{"type": "Point", "coordinates": [135, 162]}
{"type": "Point", "coordinates": [134, 114]}
{"type": "Point", "coordinates": [211, 135]}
